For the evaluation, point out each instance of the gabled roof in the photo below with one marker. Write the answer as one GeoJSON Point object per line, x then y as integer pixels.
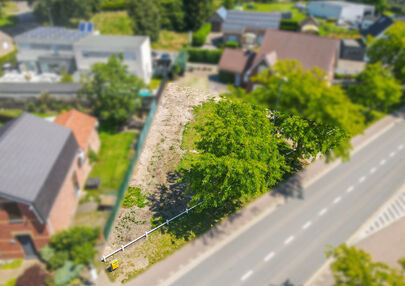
{"type": "Point", "coordinates": [234, 60]}
{"type": "Point", "coordinates": [310, 50]}
{"type": "Point", "coordinates": [378, 27]}
{"type": "Point", "coordinates": [36, 156]}
{"type": "Point", "coordinates": [222, 12]}
{"type": "Point", "coordinates": [237, 21]}
{"type": "Point", "coordinates": [309, 21]}
{"type": "Point", "coordinates": [80, 123]}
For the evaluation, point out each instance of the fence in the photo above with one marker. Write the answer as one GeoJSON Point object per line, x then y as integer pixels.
{"type": "Point", "coordinates": [145, 235]}
{"type": "Point", "coordinates": [138, 149]}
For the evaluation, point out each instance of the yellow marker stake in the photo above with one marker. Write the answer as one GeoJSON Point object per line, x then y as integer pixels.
{"type": "Point", "coordinates": [114, 264]}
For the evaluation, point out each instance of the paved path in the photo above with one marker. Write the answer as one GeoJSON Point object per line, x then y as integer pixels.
{"type": "Point", "coordinates": [287, 246]}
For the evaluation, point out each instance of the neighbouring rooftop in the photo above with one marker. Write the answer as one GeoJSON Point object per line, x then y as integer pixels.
{"type": "Point", "coordinates": [237, 21]}
{"type": "Point", "coordinates": [51, 34]}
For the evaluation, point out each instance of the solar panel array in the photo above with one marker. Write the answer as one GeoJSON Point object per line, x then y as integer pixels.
{"type": "Point", "coordinates": [86, 27]}
{"type": "Point", "coordinates": [238, 20]}
{"type": "Point", "coordinates": [54, 33]}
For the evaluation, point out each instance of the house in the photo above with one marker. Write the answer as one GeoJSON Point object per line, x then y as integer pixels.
{"type": "Point", "coordinates": [367, 22]}
{"type": "Point", "coordinates": [310, 50]}
{"type": "Point", "coordinates": [40, 179]}
{"type": "Point", "coordinates": [377, 29]}
{"type": "Point", "coordinates": [233, 65]}
{"type": "Point", "coordinates": [135, 50]}
{"type": "Point", "coordinates": [84, 128]}
{"type": "Point", "coordinates": [242, 26]}
{"type": "Point", "coordinates": [218, 19]}
{"type": "Point", "coordinates": [6, 44]}
{"type": "Point", "coordinates": [47, 49]}
{"type": "Point", "coordinates": [341, 11]}
{"type": "Point", "coordinates": [351, 49]}
{"type": "Point", "coordinates": [309, 25]}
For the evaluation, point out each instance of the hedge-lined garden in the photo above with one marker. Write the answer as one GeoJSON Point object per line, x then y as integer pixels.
{"type": "Point", "coordinates": [204, 56]}
{"type": "Point", "coordinates": [200, 36]}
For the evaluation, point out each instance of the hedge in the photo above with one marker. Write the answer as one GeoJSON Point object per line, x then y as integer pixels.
{"type": "Point", "coordinates": [200, 36]}
{"type": "Point", "coordinates": [289, 25]}
{"type": "Point", "coordinates": [204, 56]}
{"type": "Point", "coordinates": [114, 5]}
{"type": "Point", "coordinates": [232, 44]}
{"type": "Point", "coordinates": [226, 77]}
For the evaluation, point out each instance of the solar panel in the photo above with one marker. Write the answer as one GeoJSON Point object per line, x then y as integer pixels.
{"type": "Point", "coordinates": [82, 26]}
{"type": "Point", "coordinates": [90, 27]}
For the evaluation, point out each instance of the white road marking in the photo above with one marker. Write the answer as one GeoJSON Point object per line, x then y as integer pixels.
{"type": "Point", "coordinates": [323, 211]}
{"type": "Point", "coordinates": [349, 189]}
{"type": "Point", "coordinates": [306, 225]}
{"type": "Point", "coordinates": [288, 240]}
{"type": "Point", "coordinates": [246, 275]}
{"type": "Point", "coordinates": [392, 154]}
{"type": "Point", "coordinates": [382, 162]}
{"type": "Point", "coordinates": [372, 171]}
{"type": "Point", "coordinates": [337, 200]}
{"type": "Point", "coordinates": [400, 147]}
{"type": "Point", "coordinates": [362, 179]}
{"type": "Point", "coordinates": [269, 256]}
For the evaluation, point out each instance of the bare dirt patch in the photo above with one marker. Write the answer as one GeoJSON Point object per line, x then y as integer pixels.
{"type": "Point", "coordinates": [154, 175]}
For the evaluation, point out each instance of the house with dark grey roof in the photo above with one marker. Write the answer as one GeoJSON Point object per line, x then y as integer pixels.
{"type": "Point", "coordinates": [377, 29]}
{"type": "Point", "coordinates": [218, 19]}
{"type": "Point", "coordinates": [40, 168]}
{"type": "Point", "coordinates": [248, 28]}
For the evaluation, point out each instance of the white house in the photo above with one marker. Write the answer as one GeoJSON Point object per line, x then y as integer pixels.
{"type": "Point", "coordinates": [341, 11]}
{"type": "Point", "coordinates": [98, 48]}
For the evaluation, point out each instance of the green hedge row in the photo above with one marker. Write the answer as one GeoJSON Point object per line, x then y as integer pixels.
{"type": "Point", "coordinates": [232, 44]}
{"type": "Point", "coordinates": [200, 36]}
{"type": "Point", "coordinates": [204, 56]}
{"type": "Point", "coordinates": [114, 5]}
{"type": "Point", "coordinates": [289, 25]}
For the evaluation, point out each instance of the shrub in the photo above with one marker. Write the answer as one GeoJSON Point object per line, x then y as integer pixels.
{"type": "Point", "coordinates": [134, 197]}
{"type": "Point", "coordinates": [200, 36]}
{"type": "Point", "coordinates": [232, 44]}
{"type": "Point", "coordinates": [289, 25]}
{"type": "Point", "coordinates": [114, 5]}
{"type": "Point", "coordinates": [66, 77]}
{"type": "Point", "coordinates": [175, 71]}
{"type": "Point", "coordinates": [93, 157]}
{"type": "Point", "coordinates": [204, 56]}
{"type": "Point", "coordinates": [226, 77]}
{"type": "Point", "coordinates": [33, 276]}
{"type": "Point", "coordinates": [67, 273]}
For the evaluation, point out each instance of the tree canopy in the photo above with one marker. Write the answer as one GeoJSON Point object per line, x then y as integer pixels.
{"type": "Point", "coordinates": [197, 12]}
{"type": "Point", "coordinates": [377, 89]}
{"type": "Point", "coordinates": [390, 50]}
{"type": "Point", "coordinates": [353, 266]}
{"type": "Point", "coordinates": [145, 18]}
{"type": "Point", "coordinates": [113, 92]}
{"type": "Point", "coordinates": [238, 153]}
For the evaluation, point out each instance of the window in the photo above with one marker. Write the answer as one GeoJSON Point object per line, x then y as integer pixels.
{"type": "Point", "coordinates": [129, 56]}
{"type": "Point", "coordinates": [41, 47]}
{"type": "Point", "coordinates": [64, 47]}
{"type": "Point", "coordinates": [13, 212]}
{"type": "Point", "coordinates": [95, 54]}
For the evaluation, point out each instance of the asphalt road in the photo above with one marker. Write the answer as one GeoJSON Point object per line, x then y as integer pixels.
{"type": "Point", "coordinates": [288, 246]}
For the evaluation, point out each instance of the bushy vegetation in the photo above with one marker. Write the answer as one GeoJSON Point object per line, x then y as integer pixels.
{"type": "Point", "coordinates": [134, 197]}
{"type": "Point", "coordinates": [200, 36]}
{"type": "Point", "coordinates": [232, 44]}
{"type": "Point", "coordinates": [113, 5]}
{"type": "Point", "coordinates": [204, 56]}
{"type": "Point", "coordinates": [289, 25]}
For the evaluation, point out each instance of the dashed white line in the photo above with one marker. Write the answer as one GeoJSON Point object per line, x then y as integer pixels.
{"type": "Point", "coordinates": [306, 225]}
{"type": "Point", "coordinates": [362, 179]}
{"type": "Point", "coordinates": [269, 256]}
{"type": "Point", "coordinates": [323, 211]}
{"type": "Point", "coordinates": [288, 240]}
{"type": "Point", "coordinates": [350, 189]}
{"type": "Point", "coordinates": [246, 275]}
{"type": "Point", "coordinates": [372, 171]}
{"type": "Point", "coordinates": [400, 147]}
{"type": "Point", "coordinates": [335, 201]}
{"type": "Point", "coordinates": [382, 162]}
{"type": "Point", "coordinates": [392, 154]}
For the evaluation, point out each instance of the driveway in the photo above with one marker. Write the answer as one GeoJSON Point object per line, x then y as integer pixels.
{"type": "Point", "coordinates": [26, 20]}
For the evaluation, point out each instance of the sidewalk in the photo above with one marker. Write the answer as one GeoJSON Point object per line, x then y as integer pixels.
{"type": "Point", "coordinates": [166, 271]}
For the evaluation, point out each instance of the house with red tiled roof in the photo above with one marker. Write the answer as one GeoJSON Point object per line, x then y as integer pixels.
{"type": "Point", "coordinates": [84, 128]}
{"type": "Point", "coordinates": [310, 50]}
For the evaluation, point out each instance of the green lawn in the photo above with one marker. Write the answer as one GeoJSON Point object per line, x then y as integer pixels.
{"type": "Point", "coordinates": [276, 7]}
{"type": "Point", "coordinates": [169, 40]}
{"type": "Point", "coordinates": [8, 114]}
{"type": "Point", "coordinates": [113, 159]}
{"type": "Point", "coordinates": [327, 29]}
{"type": "Point", "coordinates": [114, 22]}
{"type": "Point", "coordinates": [8, 18]}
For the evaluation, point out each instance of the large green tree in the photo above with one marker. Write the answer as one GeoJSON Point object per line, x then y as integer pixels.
{"type": "Point", "coordinates": [353, 266]}
{"type": "Point", "coordinates": [145, 18]}
{"type": "Point", "coordinates": [228, 4]}
{"type": "Point", "coordinates": [238, 153]}
{"type": "Point", "coordinates": [60, 12]}
{"type": "Point", "coordinates": [113, 92]}
{"type": "Point", "coordinates": [172, 15]}
{"type": "Point", "coordinates": [197, 12]}
{"type": "Point", "coordinates": [390, 50]}
{"type": "Point", "coordinates": [377, 89]}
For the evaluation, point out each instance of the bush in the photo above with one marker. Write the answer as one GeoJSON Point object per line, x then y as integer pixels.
{"type": "Point", "coordinates": [134, 197]}
{"type": "Point", "coordinates": [200, 36]}
{"type": "Point", "coordinates": [232, 44]}
{"type": "Point", "coordinates": [93, 157]}
{"type": "Point", "coordinates": [181, 61]}
{"type": "Point", "coordinates": [114, 5]}
{"type": "Point", "coordinates": [289, 25]}
{"type": "Point", "coordinates": [204, 56]}
{"type": "Point", "coordinates": [226, 77]}
{"type": "Point", "coordinates": [67, 273]}
{"type": "Point", "coordinates": [175, 71]}
{"type": "Point", "coordinates": [66, 77]}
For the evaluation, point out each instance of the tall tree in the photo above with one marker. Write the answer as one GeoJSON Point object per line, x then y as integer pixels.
{"type": "Point", "coordinates": [112, 91]}
{"type": "Point", "coordinates": [145, 18]}
{"type": "Point", "coordinates": [237, 153]}
{"type": "Point", "coordinates": [354, 266]}
{"type": "Point", "coordinates": [172, 15]}
{"type": "Point", "coordinates": [377, 89]}
{"type": "Point", "coordinates": [197, 12]}
{"type": "Point", "coordinates": [390, 50]}
{"type": "Point", "coordinates": [228, 4]}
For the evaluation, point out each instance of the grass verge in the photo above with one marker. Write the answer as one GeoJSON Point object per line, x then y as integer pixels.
{"type": "Point", "coordinates": [115, 23]}
{"type": "Point", "coordinates": [15, 263]}
{"type": "Point", "coordinates": [275, 7]}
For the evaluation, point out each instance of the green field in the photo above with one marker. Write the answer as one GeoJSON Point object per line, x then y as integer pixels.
{"type": "Point", "coordinates": [115, 23]}
{"type": "Point", "coordinates": [275, 7]}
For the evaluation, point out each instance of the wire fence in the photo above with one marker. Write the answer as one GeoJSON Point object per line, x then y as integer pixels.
{"type": "Point", "coordinates": [145, 235]}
